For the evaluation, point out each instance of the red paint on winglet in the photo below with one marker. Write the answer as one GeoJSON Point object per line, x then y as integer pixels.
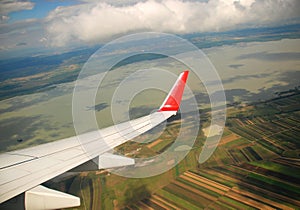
{"type": "Point", "coordinates": [172, 101]}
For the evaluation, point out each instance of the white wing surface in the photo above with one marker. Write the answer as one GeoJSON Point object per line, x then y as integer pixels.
{"type": "Point", "coordinates": [22, 171]}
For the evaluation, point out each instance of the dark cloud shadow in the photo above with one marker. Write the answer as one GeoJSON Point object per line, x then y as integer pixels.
{"type": "Point", "coordinates": [135, 193]}
{"type": "Point", "coordinates": [291, 80]}
{"type": "Point", "coordinates": [291, 77]}
{"type": "Point", "coordinates": [19, 130]}
{"type": "Point", "coordinates": [236, 66]}
{"type": "Point", "coordinates": [21, 44]}
{"type": "Point", "coordinates": [243, 77]}
{"type": "Point", "coordinates": [20, 102]}
{"type": "Point", "coordinates": [274, 57]}
{"type": "Point", "coordinates": [137, 112]}
{"type": "Point", "coordinates": [240, 77]}
{"type": "Point", "coordinates": [97, 107]}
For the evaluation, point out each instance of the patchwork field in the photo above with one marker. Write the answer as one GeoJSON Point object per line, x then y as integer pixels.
{"type": "Point", "coordinates": [278, 132]}
{"type": "Point", "coordinates": [227, 187]}
{"type": "Point", "coordinates": [255, 166]}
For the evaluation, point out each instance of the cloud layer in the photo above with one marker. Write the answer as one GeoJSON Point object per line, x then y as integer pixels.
{"type": "Point", "coordinates": [89, 22]}
{"type": "Point", "coordinates": [100, 21]}
{"type": "Point", "coordinates": [8, 6]}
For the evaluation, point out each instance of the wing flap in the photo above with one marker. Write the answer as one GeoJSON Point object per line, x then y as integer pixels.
{"type": "Point", "coordinates": [37, 171]}
{"type": "Point", "coordinates": [108, 160]}
{"type": "Point", "coordinates": [42, 198]}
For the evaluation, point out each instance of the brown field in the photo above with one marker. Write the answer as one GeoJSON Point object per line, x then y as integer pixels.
{"type": "Point", "coordinates": [161, 202]}
{"type": "Point", "coordinates": [154, 143]}
{"type": "Point", "coordinates": [260, 198]}
{"type": "Point", "coordinates": [259, 189]}
{"type": "Point", "coordinates": [197, 187]}
{"type": "Point", "coordinates": [229, 138]}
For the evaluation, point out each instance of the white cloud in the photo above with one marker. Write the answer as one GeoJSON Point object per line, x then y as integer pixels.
{"type": "Point", "coordinates": [96, 22]}
{"type": "Point", "coordinates": [26, 31]}
{"type": "Point", "coordinates": [18, 27]}
{"type": "Point", "coordinates": [4, 18]}
{"type": "Point", "coordinates": [8, 6]}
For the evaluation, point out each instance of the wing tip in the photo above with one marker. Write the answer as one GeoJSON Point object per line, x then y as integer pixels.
{"type": "Point", "coordinates": [173, 100]}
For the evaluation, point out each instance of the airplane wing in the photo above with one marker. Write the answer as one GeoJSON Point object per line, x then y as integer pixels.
{"type": "Point", "coordinates": [23, 171]}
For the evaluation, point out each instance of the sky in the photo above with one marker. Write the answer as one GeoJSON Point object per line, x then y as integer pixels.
{"type": "Point", "coordinates": [49, 25]}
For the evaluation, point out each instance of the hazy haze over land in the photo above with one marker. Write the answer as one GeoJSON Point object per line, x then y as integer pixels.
{"type": "Point", "coordinates": [35, 27]}
{"type": "Point", "coordinates": [254, 45]}
{"type": "Point", "coordinates": [47, 116]}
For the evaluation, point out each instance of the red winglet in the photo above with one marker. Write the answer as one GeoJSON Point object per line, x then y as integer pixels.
{"type": "Point", "coordinates": [172, 101]}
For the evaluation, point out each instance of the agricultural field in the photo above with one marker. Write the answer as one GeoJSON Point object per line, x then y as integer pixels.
{"type": "Point", "coordinates": [227, 187]}
{"type": "Point", "coordinates": [255, 166]}
{"type": "Point", "coordinates": [278, 132]}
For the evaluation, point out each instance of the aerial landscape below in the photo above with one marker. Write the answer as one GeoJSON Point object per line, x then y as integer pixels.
{"type": "Point", "coordinates": [53, 51]}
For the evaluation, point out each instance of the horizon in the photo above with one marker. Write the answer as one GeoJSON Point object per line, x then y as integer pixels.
{"type": "Point", "coordinates": [30, 28]}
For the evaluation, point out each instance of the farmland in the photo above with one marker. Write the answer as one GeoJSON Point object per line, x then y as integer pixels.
{"type": "Point", "coordinates": [255, 166]}
{"type": "Point", "coordinates": [217, 188]}
{"type": "Point", "coordinates": [278, 132]}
